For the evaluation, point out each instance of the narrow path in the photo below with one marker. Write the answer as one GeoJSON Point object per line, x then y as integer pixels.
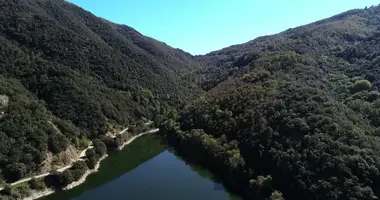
{"type": "Point", "coordinates": [121, 132]}
{"type": "Point", "coordinates": [81, 155]}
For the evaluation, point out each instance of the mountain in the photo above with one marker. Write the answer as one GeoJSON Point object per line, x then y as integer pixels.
{"type": "Point", "coordinates": [293, 115]}
{"type": "Point", "coordinates": [67, 76]}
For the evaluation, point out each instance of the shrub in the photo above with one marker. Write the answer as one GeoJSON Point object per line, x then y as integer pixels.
{"type": "Point", "coordinates": [1, 182]}
{"type": "Point", "coordinates": [8, 189]}
{"type": "Point", "coordinates": [22, 190]}
{"type": "Point", "coordinates": [100, 147]}
{"type": "Point", "coordinates": [15, 171]}
{"type": "Point", "coordinates": [78, 170]}
{"type": "Point", "coordinates": [37, 184]}
{"type": "Point", "coordinates": [276, 195]}
{"type": "Point", "coordinates": [92, 158]}
{"type": "Point", "coordinates": [58, 143]}
{"type": "Point", "coordinates": [361, 85]}
{"type": "Point", "coordinates": [65, 178]}
{"type": "Point", "coordinates": [92, 161]}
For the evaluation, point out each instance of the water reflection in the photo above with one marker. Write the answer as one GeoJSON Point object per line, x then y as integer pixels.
{"type": "Point", "coordinates": [146, 170]}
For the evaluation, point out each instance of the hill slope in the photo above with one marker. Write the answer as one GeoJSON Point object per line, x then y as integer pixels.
{"type": "Point", "coordinates": [296, 112]}
{"type": "Point", "coordinates": [82, 73]}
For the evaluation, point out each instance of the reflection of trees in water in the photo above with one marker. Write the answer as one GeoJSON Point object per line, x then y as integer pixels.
{"type": "Point", "coordinates": [218, 186]}
{"type": "Point", "coordinates": [118, 163]}
{"type": "Point", "coordinates": [203, 171]}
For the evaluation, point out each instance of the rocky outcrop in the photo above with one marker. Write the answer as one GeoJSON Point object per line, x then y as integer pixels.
{"type": "Point", "coordinates": [4, 100]}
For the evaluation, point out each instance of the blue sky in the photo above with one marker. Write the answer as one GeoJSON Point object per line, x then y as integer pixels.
{"type": "Point", "coordinates": [201, 26]}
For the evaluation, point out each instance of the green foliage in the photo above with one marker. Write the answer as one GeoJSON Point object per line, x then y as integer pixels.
{"type": "Point", "coordinates": [37, 184]}
{"type": "Point", "coordinates": [361, 85]}
{"type": "Point", "coordinates": [139, 127]}
{"type": "Point", "coordinates": [100, 147]}
{"type": "Point", "coordinates": [301, 107]}
{"type": "Point", "coordinates": [22, 190]}
{"type": "Point", "coordinates": [16, 192]}
{"type": "Point", "coordinates": [8, 190]}
{"type": "Point", "coordinates": [15, 171]}
{"type": "Point", "coordinates": [65, 178]}
{"type": "Point", "coordinates": [262, 181]}
{"type": "Point", "coordinates": [92, 158]}
{"type": "Point", "coordinates": [84, 142]}
{"type": "Point", "coordinates": [284, 106]}
{"type": "Point", "coordinates": [24, 131]}
{"type": "Point", "coordinates": [276, 195]}
{"type": "Point", "coordinates": [75, 75]}
{"type": "Point", "coordinates": [57, 143]}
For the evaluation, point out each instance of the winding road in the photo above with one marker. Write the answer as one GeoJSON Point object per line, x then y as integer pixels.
{"type": "Point", "coordinates": [81, 155]}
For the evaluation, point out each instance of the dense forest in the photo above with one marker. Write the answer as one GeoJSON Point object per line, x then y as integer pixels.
{"type": "Point", "coordinates": [68, 77]}
{"type": "Point", "coordinates": [293, 115]}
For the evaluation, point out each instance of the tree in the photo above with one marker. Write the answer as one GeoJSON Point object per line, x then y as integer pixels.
{"type": "Point", "coordinates": [172, 114]}
{"type": "Point", "coordinates": [92, 161]}
{"type": "Point", "coordinates": [100, 147]}
{"type": "Point", "coordinates": [65, 178]}
{"type": "Point", "coordinates": [92, 158]}
{"type": "Point", "coordinates": [37, 184]}
{"type": "Point", "coordinates": [78, 169]}
{"type": "Point", "coordinates": [15, 171]}
{"type": "Point", "coordinates": [361, 85]}
{"type": "Point", "coordinates": [58, 143]}
{"type": "Point", "coordinates": [276, 195]}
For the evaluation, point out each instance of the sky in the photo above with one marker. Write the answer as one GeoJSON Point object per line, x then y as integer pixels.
{"type": "Point", "coordinates": [202, 26]}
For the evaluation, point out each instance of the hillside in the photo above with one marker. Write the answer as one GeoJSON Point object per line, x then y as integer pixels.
{"type": "Point", "coordinates": [64, 68]}
{"type": "Point", "coordinates": [293, 115]}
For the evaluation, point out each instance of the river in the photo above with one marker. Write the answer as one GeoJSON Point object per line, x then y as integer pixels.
{"type": "Point", "coordinates": [146, 169]}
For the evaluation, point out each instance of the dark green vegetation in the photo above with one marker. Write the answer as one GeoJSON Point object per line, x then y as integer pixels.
{"type": "Point", "coordinates": [115, 165]}
{"type": "Point", "coordinates": [67, 77]}
{"type": "Point", "coordinates": [294, 114]}
{"type": "Point", "coordinates": [146, 170]}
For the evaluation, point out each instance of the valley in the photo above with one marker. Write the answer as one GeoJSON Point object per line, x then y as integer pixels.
{"type": "Point", "coordinates": [294, 115]}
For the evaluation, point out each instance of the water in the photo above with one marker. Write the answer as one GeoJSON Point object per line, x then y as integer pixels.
{"type": "Point", "coordinates": [144, 170]}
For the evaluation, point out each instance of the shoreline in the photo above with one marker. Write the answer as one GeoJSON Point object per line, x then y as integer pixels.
{"type": "Point", "coordinates": [39, 194]}
{"type": "Point", "coordinates": [135, 137]}
{"type": "Point", "coordinates": [85, 175]}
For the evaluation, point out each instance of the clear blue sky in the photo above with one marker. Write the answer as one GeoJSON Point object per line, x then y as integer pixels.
{"type": "Point", "coordinates": [201, 26]}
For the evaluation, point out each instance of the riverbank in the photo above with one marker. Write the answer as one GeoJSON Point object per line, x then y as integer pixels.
{"type": "Point", "coordinates": [39, 194]}
{"type": "Point", "coordinates": [88, 172]}
{"type": "Point", "coordinates": [81, 154]}
{"type": "Point", "coordinates": [137, 136]}
{"type": "Point", "coordinates": [140, 171]}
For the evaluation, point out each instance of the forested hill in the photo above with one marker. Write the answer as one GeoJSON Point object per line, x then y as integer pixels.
{"type": "Point", "coordinates": [331, 36]}
{"type": "Point", "coordinates": [295, 114]}
{"type": "Point", "coordinates": [67, 76]}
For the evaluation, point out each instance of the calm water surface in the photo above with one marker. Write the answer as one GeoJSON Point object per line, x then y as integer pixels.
{"type": "Point", "coordinates": [144, 170]}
